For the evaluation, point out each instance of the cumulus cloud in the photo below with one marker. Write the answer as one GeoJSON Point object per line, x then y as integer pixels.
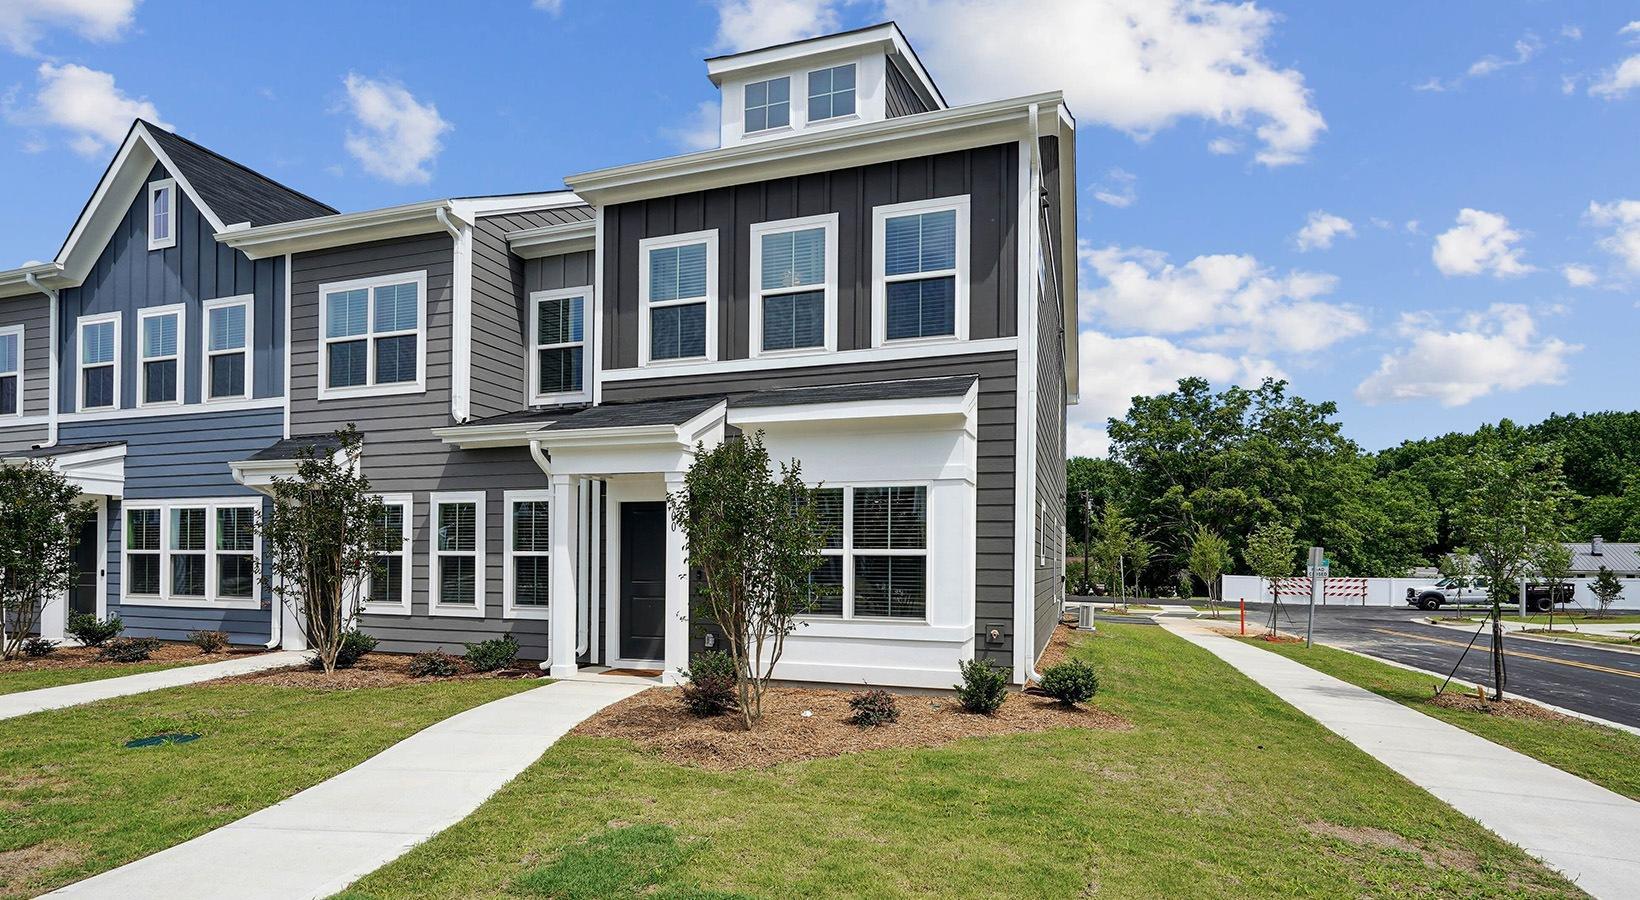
{"type": "Point", "coordinates": [1616, 82]}
{"type": "Point", "coordinates": [24, 22]}
{"type": "Point", "coordinates": [1117, 189]}
{"type": "Point", "coordinates": [750, 24]}
{"type": "Point", "coordinates": [1496, 350]}
{"type": "Point", "coordinates": [1579, 276]}
{"type": "Point", "coordinates": [1481, 243]}
{"type": "Point", "coordinates": [87, 105]}
{"type": "Point", "coordinates": [397, 136]}
{"type": "Point", "coordinates": [1622, 217]}
{"type": "Point", "coordinates": [1321, 229]}
{"type": "Point", "coordinates": [698, 132]}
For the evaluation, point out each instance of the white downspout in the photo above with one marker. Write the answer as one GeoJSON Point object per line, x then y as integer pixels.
{"type": "Point", "coordinates": [461, 317]}
{"type": "Point", "coordinates": [52, 384]}
{"type": "Point", "coordinates": [1031, 259]}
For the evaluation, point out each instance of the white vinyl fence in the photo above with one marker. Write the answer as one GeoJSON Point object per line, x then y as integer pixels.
{"type": "Point", "coordinates": [1393, 592]}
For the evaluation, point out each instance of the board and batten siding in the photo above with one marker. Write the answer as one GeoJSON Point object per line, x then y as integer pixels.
{"type": "Point", "coordinates": [988, 175]}
{"type": "Point", "coordinates": [901, 98]}
{"type": "Point", "coordinates": [1050, 415]}
{"type": "Point", "coordinates": [33, 312]}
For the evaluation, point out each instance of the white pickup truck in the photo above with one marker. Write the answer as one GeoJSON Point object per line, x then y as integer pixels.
{"type": "Point", "coordinates": [1453, 592]}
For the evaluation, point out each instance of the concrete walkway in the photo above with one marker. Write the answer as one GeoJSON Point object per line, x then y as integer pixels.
{"type": "Point", "coordinates": [1581, 830]}
{"type": "Point", "coordinates": [330, 835]}
{"type": "Point", "coordinates": [22, 703]}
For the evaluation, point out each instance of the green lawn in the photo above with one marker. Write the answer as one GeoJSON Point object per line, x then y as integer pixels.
{"type": "Point", "coordinates": [1575, 618]}
{"type": "Point", "coordinates": [1220, 789]}
{"type": "Point", "coordinates": [1593, 637]}
{"type": "Point", "coordinates": [14, 681]}
{"type": "Point", "coordinates": [74, 801]}
{"type": "Point", "coordinates": [1603, 755]}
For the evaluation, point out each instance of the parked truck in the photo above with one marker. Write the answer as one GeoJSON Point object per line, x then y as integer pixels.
{"type": "Point", "coordinates": [1458, 592]}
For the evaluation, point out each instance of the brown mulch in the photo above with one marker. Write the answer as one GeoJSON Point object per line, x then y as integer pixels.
{"type": "Point", "coordinates": [1508, 708]}
{"type": "Point", "coordinates": [86, 657]}
{"type": "Point", "coordinates": [373, 670]}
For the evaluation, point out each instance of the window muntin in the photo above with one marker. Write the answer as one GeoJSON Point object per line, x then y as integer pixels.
{"type": "Point", "coordinates": [768, 104]}
{"type": "Point", "coordinates": [875, 561]}
{"type": "Point", "coordinates": [919, 268]}
{"type": "Point", "coordinates": [228, 324]}
{"type": "Point", "coordinates": [457, 557]}
{"type": "Point", "coordinates": [235, 551]}
{"type": "Point", "coordinates": [558, 327]}
{"type": "Point", "coordinates": [678, 283]}
{"type": "Point", "coordinates": [11, 371]}
{"type": "Point", "coordinates": [162, 214]}
{"type": "Point", "coordinates": [831, 92]}
{"type": "Point", "coordinates": [794, 277]}
{"type": "Point", "coordinates": [99, 362]}
{"type": "Point", "coordinates": [142, 552]}
{"type": "Point", "coordinates": [160, 342]}
{"type": "Point", "coordinates": [374, 335]}
{"type": "Point", "coordinates": [388, 589]}
{"type": "Point", "coordinates": [528, 554]}
{"type": "Point", "coordinates": [191, 553]}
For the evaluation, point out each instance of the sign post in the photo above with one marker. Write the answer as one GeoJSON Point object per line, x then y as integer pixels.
{"type": "Point", "coordinates": [1318, 575]}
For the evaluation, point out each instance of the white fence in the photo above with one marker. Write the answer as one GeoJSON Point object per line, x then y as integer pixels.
{"type": "Point", "coordinates": [1393, 592]}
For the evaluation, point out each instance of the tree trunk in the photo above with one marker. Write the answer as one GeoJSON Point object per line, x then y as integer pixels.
{"type": "Point", "coordinates": [1497, 649]}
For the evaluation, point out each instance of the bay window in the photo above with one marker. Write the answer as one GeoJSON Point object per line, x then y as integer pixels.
{"type": "Point", "coordinates": [875, 559]}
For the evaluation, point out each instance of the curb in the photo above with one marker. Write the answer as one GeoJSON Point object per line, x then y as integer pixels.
{"type": "Point", "coordinates": [1541, 639]}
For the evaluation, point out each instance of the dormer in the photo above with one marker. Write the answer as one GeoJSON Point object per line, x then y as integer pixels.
{"type": "Point", "coordinates": [822, 83]}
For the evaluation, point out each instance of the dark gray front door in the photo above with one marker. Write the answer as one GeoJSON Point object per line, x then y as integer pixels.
{"type": "Point", "coordinates": [643, 580]}
{"type": "Point", "coordinates": [83, 597]}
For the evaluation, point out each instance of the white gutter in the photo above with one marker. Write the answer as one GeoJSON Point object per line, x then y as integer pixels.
{"type": "Point", "coordinates": [52, 385]}
{"type": "Point", "coordinates": [1027, 350]}
{"type": "Point", "coordinates": [461, 316]}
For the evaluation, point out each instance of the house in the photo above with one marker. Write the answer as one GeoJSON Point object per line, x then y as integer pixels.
{"type": "Point", "coordinates": [880, 283]}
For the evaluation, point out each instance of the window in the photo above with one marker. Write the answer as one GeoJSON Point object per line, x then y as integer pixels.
{"type": "Point", "coordinates": [11, 371]}
{"type": "Point", "coordinates": [678, 281]}
{"type": "Point", "coordinates": [228, 325]}
{"type": "Point", "coordinates": [529, 548]}
{"type": "Point", "coordinates": [457, 559]}
{"type": "Point", "coordinates": [162, 214]}
{"type": "Point", "coordinates": [160, 332]}
{"type": "Point", "coordinates": [389, 588]}
{"type": "Point", "coordinates": [99, 380]}
{"type": "Point", "coordinates": [192, 553]}
{"type": "Point", "coordinates": [826, 584]}
{"type": "Point", "coordinates": [558, 365]}
{"type": "Point", "coordinates": [920, 278]}
{"type": "Point", "coordinates": [875, 561]}
{"type": "Point", "coordinates": [373, 336]}
{"type": "Point", "coordinates": [794, 272]}
{"type": "Point", "coordinates": [142, 552]}
{"type": "Point", "coordinates": [768, 104]}
{"type": "Point", "coordinates": [235, 551]}
{"type": "Point", "coordinates": [831, 93]}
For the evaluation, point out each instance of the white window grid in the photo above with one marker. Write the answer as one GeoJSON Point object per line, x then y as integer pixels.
{"type": "Point", "coordinates": [248, 301]}
{"type": "Point", "coordinates": [848, 552]}
{"type": "Point", "coordinates": [403, 553]}
{"type": "Point", "coordinates": [81, 367]}
{"type": "Point", "coordinates": [435, 604]}
{"type": "Point", "coordinates": [12, 369]}
{"type": "Point", "coordinates": [828, 285]}
{"type": "Point", "coordinates": [370, 337]}
{"type": "Point", "coordinates": [708, 237]}
{"type": "Point", "coordinates": [212, 553]}
{"type": "Point", "coordinates": [536, 397]}
{"type": "Point", "coordinates": [179, 312]}
{"type": "Point", "coordinates": [162, 214]}
{"type": "Point", "coordinates": [880, 280]}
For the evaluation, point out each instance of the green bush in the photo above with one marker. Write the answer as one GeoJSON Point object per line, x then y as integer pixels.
{"type": "Point", "coordinates": [355, 644]}
{"type": "Point", "coordinates": [38, 646]}
{"type": "Point", "coordinates": [1070, 682]}
{"type": "Point", "coordinates": [128, 650]}
{"type": "Point", "coordinates": [984, 686]}
{"type": "Point", "coordinates": [434, 664]}
{"type": "Point", "coordinates": [496, 653]}
{"type": "Point", "coordinates": [85, 628]}
{"type": "Point", "coordinates": [874, 708]}
{"type": "Point", "coordinates": [209, 641]}
{"type": "Point", "coordinates": [711, 688]}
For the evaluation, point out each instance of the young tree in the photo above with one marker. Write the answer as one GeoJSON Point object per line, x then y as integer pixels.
{"type": "Point", "coordinates": [1607, 589]}
{"type": "Point", "coordinates": [323, 541]}
{"type": "Point", "coordinates": [1112, 542]}
{"type": "Point", "coordinates": [1209, 557]}
{"type": "Point", "coordinates": [1458, 566]}
{"type": "Point", "coordinates": [1552, 566]}
{"type": "Point", "coordinates": [40, 519]}
{"type": "Point", "coordinates": [1139, 555]}
{"type": "Point", "coordinates": [1271, 549]}
{"type": "Point", "coordinates": [755, 538]}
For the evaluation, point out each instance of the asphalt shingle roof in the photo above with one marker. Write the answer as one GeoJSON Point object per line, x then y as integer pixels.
{"type": "Point", "coordinates": [296, 447]}
{"type": "Point", "coordinates": [908, 389]}
{"type": "Point", "coordinates": [234, 192]}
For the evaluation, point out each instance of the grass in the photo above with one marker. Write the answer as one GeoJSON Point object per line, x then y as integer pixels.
{"type": "Point", "coordinates": [1219, 789]}
{"type": "Point", "coordinates": [12, 682]}
{"type": "Point", "coordinates": [1594, 637]}
{"type": "Point", "coordinates": [1575, 618]}
{"type": "Point", "coordinates": [74, 801]}
{"type": "Point", "coordinates": [1602, 755]}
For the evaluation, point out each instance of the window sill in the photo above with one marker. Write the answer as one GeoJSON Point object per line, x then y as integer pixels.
{"type": "Point", "coordinates": [882, 629]}
{"type": "Point", "coordinates": [389, 390]}
{"type": "Point", "coordinates": [160, 404]}
{"type": "Point", "coordinates": [192, 602]}
{"type": "Point", "coordinates": [527, 613]}
{"type": "Point", "coordinates": [820, 350]}
{"type": "Point", "coordinates": [561, 399]}
{"type": "Point", "coordinates": [456, 612]}
{"type": "Point", "coordinates": [384, 609]}
{"type": "Point", "coordinates": [678, 363]}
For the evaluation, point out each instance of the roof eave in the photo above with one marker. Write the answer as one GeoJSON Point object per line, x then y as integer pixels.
{"type": "Point", "coordinates": [340, 230]}
{"type": "Point", "coordinates": [552, 240]}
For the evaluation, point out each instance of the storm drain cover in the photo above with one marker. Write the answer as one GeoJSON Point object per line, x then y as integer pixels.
{"type": "Point", "coordinates": [156, 740]}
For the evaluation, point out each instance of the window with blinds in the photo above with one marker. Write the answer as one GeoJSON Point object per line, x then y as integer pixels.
{"type": "Point", "coordinates": [793, 278]}
{"type": "Point", "coordinates": [161, 336]}
{"type": "Point", "coordinates": [11, 371]}
{"type": "Point", "coordinates": [458, 554]}
{"type": "Point", "coordinates": [191, 552]}
{"type": "Point", "coordinates": [875, 560]}
{"type": "Point", "coordinates": [920, 274]}
{"type": "Point", "coordinates": [227, 349]}
{"type": "Point", "coordinates": [373, 333]}
{"type": "Point", "coordinates": [560, 343]}
{"type": "Point", "coordinates": [529, 549]}
{"type": "Point", "coordinates": [99, 362]}
{"type": "Point", "coordinates": [678, 290]}
{"type": "Point", "coordinates": [388, 589]}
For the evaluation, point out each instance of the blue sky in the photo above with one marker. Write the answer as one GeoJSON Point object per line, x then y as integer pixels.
{"type": "Point", "coordinates": [1426, 212]}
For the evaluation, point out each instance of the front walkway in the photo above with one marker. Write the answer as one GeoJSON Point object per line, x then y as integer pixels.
{"type": "Point", "coordinates": [330, 835]}
{"type": "Point", "coordinates": [24, 702]}
{"type": "Point", "coordinates": [1584, 831]}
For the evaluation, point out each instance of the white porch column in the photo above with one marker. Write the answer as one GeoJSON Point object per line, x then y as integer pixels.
{"type": "Point", "coordinates": [563, 601]}
{"type": "Point", "coordinates": [677, 592]}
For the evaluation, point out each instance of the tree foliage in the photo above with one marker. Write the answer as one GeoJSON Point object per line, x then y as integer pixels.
{"type": "Point", "coordinates": [1271, 552]}
{"type": "Point", "coordinates": [1209, 556]}
{"type": "Point", "coordinates": [1607, 588]}
{"type": "Point", "coordinates": [40, 519]}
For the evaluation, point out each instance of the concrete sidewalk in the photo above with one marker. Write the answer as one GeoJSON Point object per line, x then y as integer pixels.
{"type": "Point", "coordinates": [330, 835]}
{"type": "Point", "coordinates": [1581, 830]}
{"type": "Point", "coordinates": [24, 702]}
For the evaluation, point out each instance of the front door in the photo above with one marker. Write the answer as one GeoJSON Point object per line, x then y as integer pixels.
{"type": "Point", "coordinates": [643, 580]}
{"type": "Point", "coordinates": [82, 597]}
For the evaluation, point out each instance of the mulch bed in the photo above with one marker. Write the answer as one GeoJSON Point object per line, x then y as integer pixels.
{"type": "Point", "coordinates": [1508, 708]}
{"type": "Point", "coordinates": [86, 657]}
{"type": "Point", "coordinates": [373, 670]}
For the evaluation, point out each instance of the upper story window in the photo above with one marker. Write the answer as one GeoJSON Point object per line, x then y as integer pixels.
{"type": "Point", "coordinates": [831, 92]}
{"type": "Point", "coordinates": [678, 283]}
{"type": "Point", "coordinates": [11, 371]}
{"type": "Point", "coordinates": [768, 104]}
{"type": "Point", "coordinates": [920, 283]}
{"type": "Point", "coordinates": [794, 275]}
{"type": "Point", "coordinates": [374, 336]}
{"type": "Point", "coordinates": [99, 366]}
{"type": "Point", "coordinates": [160, 330]}
{"type": "Point", "coordinates": [162, 214]}
{"type": "Point", "coordinates": [227, 348]}
{"type": "Point", "coordinates": [558, 363]}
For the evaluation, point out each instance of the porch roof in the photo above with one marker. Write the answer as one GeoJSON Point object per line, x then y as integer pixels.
{"type": "Point", "coordinates": [292, 448]}
{"type": "Point", "coordinates": [905, 389]}
{"type": "Point", "coordinates": [95, 468]}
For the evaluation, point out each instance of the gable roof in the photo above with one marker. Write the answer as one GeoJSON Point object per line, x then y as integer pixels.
{"type": "Point", "coordinates": [234, 192]}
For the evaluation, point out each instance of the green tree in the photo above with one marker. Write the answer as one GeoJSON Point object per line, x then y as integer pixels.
{"type": "Point", "coordinates": [1112, 543]}
{"type": "Point", "coordinates": [40, 519]}
{"type": "Point", "coordinates": [1209, 556]}
{"type": "Point", "coordinates": [1552, 567]}
{"type": "Point", "coordinates": [1271, 552]}
{"type": "Point", "coordinates": [1139, 556]}
{"type": "Point", "coordinates": [1607, 589]}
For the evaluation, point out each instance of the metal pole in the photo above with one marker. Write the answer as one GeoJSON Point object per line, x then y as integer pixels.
{"type": "Point", "coordinates": [1316, 558]}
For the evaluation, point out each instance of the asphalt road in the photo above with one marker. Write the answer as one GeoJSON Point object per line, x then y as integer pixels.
{"type": "Point", "coordinates": [1603, 683]}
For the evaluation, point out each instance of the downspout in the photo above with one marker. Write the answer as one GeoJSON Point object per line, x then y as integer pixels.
{"type": "Point", "coordinates": [51, 385]}
{"type": "Point", "coordinates": [584, 602]}
{"type": "Point", "coordinates": [461, 316]}
{"type": "Point", "coordinates": [1031, 259]}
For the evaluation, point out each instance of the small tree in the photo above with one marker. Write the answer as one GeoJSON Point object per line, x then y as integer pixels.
{"type": "Point", "coordinates": [323, 539]}
{"type": "Point", "coordinates": [1270, 552]}
{"type": "Point", "coordinates": [1209, 557]}
{"type": "Point", "coordinates": [1607, 589]}
{"type": "Point", "coordinates": [1139, 555]}
{"type": "Point", "coordinates": [1112, 542]}
{"type": "Point", "coordinates": [1552, 564]}
{"type": "Point", "coordinates": [755, 539]}
{"type": "Point", "coordinates": [1458, 566]}
{"type": "Point", "coordinates": [40, 520]}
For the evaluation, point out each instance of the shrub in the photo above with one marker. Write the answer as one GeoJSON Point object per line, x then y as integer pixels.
{"type": "Point", "coordinates": [1070, 682]}
{"type": "Point", "coordinates": [355, 644]}
{"type": "Point", "coordinates": [874, 708]}
{"type": "Point", "coordinates": [209, 641]}
{"type": "Point", "coordinates": [496, 653]}
{"type": "Point", "coordinates": [89, 631]}
{"type": "Point", "coordinates": [984, 686]}
{"type": "Point", "coordinates": [38, 646]}
{"type": "Point", "coordinates": [434, 664]}
{"type": "Point", "coordinates": [128, 650]}
{"type": "Point", "coordinates": [711, 689]}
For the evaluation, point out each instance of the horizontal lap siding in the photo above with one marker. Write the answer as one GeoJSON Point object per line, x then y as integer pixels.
{"type": "Point", "coordinates": [33, 312]}
{"type": "Point", "coordinates": [1050, 418]}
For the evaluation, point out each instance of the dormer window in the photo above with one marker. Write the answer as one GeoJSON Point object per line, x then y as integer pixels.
{"type": "Point", "coordinates": [162, 214]}
{"type": "Point", "coordinates": [831, 93]}
{"type": "Point", "coordinates": [768, 104]}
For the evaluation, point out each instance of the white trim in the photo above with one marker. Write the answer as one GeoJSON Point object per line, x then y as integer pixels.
{"type": "Point", "coordinates": [886, 39]}
{"type": "Point", "coordinates": [434, 554]}
{"type": "Point", "coordinates": [284, 388]}
{"type": "Point", "coordinates": [207, 354]}
{"type": "Point", "coordinates": [895, 410]}
{"type": "Point", "coordinates": [169, 186]}
{"type": "Point", "coordinates": [16, 418]}
{"type": "Point", "coordinates": [461, 327]}
{"type": "Point", "coordinates": [533, 365]}
{"type": "Point", "coordinates": [896, 351]}
{"type": "Point", "coordinates": [370, 336]}
{"type": "Point", "coordinates": [880, 281]}
{"type": "Point", "coordinates": [406, 557]}
{"type": "Point", "coordinates": [708, 237]}
{"type": "Point", "coordinates": [849, 553]}
{"type": "Point", "coordinates": [1024, 593]}
{"type": "Point", "coordinates": [165, 597]}
{"type": "Point", "coordinates": [102, 414]}
{"type": "Point", "coordinates": [596, 324]}
{"type": "Point", "coordinates": [553, 240]}
{"type": "Point", "coordinates": [80, 325]}
{"type": "Point", "coordinates": [769, 79]}
{"type": "Point", "coordinates": [180, 357]}
{"type": "Point", "coordinates": [321, 232]}
{"type": "Point", "coordinates": [828, 285]}
{"type": "Point", "coordinates": [508, 608]}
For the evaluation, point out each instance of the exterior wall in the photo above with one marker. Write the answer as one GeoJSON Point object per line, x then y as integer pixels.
{"type": "Point", "coordinates": [902, 99]}
{"type": "Point", "coordinates": [1050, 417]}
{"type": "Point", "coordinates": [33, 312]}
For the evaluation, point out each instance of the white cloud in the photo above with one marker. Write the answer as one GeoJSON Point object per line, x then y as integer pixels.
{"type": "Point", "coordinates": [1571, 32]}
{"type": "Point", "coordinates": [1223, 146]}
{"type": "Point", "coordinates": [1321, 229]}
{"type": "Point", "coordinates": [1481, 243]}
{"type": "Point", "coordinates": [1496, 350]}
{"type": "Point", "coordinates": [552, 7]}
{"type": "Point", "coordinates": [1616, 82]}
{"type": "Point", "coordinates": [751, 24]}
{"type": "Point", "coordinates": [1579, 276]}
{"type": "Point", "coordinates": [398, 136]}
{"type": "Point", "coordinates": [24, 22]}
{"type": "Point", "coordinates": [1413, 226]}
{"type": "Point", "coordinates": [1137, 65]}
{"type": "Point", "coordinates": [1623, 218]}
{"type": "Point", "coordinates": [1524, 50]}
{"type": "Point", "coordinates": [1117, 189]}
{"type": "Point", "coordinates": [699, 132]}
{"type": "Point", "coordinates": [86, 104]}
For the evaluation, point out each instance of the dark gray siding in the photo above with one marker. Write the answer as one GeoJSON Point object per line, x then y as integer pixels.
{"type": "Point", "coordinates": [1050, 411]}
{"type": "Point", "coordinates": [986, 174]}
{"type": "Point", "coordinates": [33, 312]}
{"type": "Point", "coordinates": [902, 98]}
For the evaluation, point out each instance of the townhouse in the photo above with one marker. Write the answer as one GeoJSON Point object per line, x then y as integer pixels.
{"type": "Point", "coordinates": [882, 284]}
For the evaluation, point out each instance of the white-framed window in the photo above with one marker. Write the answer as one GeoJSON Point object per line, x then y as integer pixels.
{"type": "Point", "coordinates": [831, 92]}
{"type": "Point", "coordinates": [374, 336]}
{"type": "Point", "coordinates": [97, 380]}
{"type": "Point", "coordinates": [11, 370]}
{"type": "Point", "coordinates": [388, 589]}
{"type": "Point", "coordinates": [768, 104]}
{"type": "Point", "coordinates": [162, 214]}
{"type": "Point", "coordinates": [527, 567]}
{"type": "Point", "coordinates": [160, 339]}
{"type": "Point", "coordinates": [678, 284]}
{"type": "Point", "coordinates": [558, 361]}
{"type": "Point", "coordinates": [919, 286]}
{"type": "Point", "coordinates": [191, 553]}
{"type": "Point", "coordinates": [875, 561]}
{"type": "Point", "coordinates": [456, 560]}
{"type": "Point", "coordinates": [229, 323]}
{"type": "Point", "coordinates": [794, 285]}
